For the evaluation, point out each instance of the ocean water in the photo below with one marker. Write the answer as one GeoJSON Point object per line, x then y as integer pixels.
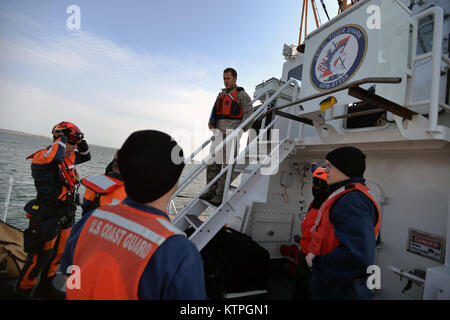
{"type": "Point", "coordinates": [14, 148]}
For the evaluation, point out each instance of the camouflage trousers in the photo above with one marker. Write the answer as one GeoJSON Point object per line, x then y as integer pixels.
{"type": "Point", "coordinates": [221, 160]}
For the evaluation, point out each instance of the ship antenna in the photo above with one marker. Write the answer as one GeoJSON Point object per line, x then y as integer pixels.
{"type": "Point", "coordinates": [325, 9]}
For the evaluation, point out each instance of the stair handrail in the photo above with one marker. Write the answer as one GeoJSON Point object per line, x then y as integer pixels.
{"type": "Point", "coordinates": [247, 179]}
{"type": "Point", "coordinates": [228, 167]}
{"type": "Point", "coordinates": [199, 149]}
{"type": "Point", "coordinates": [196, 171]}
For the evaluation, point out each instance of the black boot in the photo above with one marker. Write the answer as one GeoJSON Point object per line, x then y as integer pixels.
{"type": "Point", "coordinates": [47, 291]}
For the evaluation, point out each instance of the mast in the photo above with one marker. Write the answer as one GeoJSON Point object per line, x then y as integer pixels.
{"type": "Point", "coordinates": [304, 19]}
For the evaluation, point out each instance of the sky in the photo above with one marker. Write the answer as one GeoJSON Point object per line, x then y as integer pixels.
{"type": "Point", "coordinates": [136, 64]}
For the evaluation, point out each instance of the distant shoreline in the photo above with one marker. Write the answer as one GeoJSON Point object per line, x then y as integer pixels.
{"type": "Point", "coordinates": [39, 136]}
{"type": "Point", "coordinates": [22, 133]}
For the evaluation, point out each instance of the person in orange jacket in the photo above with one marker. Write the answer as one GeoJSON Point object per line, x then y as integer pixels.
{"type": "Point", "coordinates": [320, 191]}
{"type": "Point", "coordinates": [51, 215]}
{"type": "Point", "coordinates": [103, 189]}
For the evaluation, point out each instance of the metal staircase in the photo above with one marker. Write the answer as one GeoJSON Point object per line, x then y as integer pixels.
{"type": "Point", "coordinates": [236, 200]}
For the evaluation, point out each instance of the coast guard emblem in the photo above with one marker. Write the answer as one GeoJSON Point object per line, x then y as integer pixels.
{"type": "Point", "coordinates": [338, 57]}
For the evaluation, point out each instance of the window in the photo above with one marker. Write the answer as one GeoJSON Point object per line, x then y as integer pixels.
{"type": "Point", "coordinates": [425, 35]}
{"type": "Point", "coordinates": [296, 73]}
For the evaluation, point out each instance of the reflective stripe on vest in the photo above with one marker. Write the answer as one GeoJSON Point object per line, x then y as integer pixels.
{"type": "Point", "coordinates": [113, 249]}
{"type": "Point", "coordinates": [101, 183]}
{"type": "Point", "coordinates": [323, 238]}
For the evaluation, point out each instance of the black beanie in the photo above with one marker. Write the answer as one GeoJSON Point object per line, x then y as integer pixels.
{"type": "Point", "coordinates": [150, 163]}
{"type": "Point", "coordinates": [349, 160]}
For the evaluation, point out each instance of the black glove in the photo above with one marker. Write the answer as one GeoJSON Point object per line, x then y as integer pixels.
{"type": "Point", "coordinates": [83, 146]}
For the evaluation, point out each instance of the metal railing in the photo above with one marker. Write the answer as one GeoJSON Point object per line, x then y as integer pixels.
{"type": "Point", "coordinates": [436, 58]}
{"type": "Point", "coordinates": [185, 181]}
{"type": "Point", "coordinates": [11, 181]}
{"type": "Point", "coordinates": [6, 204]}
{"type": "Point", "coordinates": [230, 139]}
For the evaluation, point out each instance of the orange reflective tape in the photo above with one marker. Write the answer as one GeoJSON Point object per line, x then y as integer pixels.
{"type": "Point", "coordinates": [63, 236]}
{"type": "Point", "coordinates": [25, 282]}
{"type": "Point", "coordinates": [49, 245]}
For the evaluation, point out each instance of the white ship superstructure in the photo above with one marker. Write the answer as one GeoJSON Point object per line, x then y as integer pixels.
{"type": "Point", "coordinates": [389, 79]}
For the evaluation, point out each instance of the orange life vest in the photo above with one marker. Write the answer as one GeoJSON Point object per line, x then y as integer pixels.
{"type": "Point", "coordinates": [306, 227]}
{"type": "Point", "coordinates": [69, 171]}
{"type": "Point", "coordinates": [323, 238]}
{"type": "Point", "coordinates": [107, 189]}
{"type": "Point", "coordinates": [227, 106]}
{"type": "Point", "coordinates": [113, 249]}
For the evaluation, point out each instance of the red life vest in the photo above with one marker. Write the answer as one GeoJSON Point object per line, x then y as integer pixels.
{"type": "Point", "coordinates": [107, 189]}
{"type": "Point", "coordinates": [113, 249]}
{"type": "Point", "coordinates": [306, 227]}
{"type": "Point", "coordinates": [323, 239]}
{"type": "Point", "coordinates": [101, 183]}
{"type": "Point", "coordinates": [227, 106]}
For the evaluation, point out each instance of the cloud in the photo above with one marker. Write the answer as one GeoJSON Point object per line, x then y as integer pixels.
{"type": "Point", "coordinates": [108, 90]}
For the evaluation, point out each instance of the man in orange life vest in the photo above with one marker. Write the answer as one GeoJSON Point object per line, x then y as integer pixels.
{"type": "Point", "coordinates": [103, 189]}
{"type": "Point", "coordinates": [320, 191]}
{"type": "Point", "coordinates": [52, 213]}
{"type": "Point", "coordinates": [232, 107]}
{"type": "Point", "coordinates": [131, 250]}
{"type": "Point", "coordinates": [343, 238]}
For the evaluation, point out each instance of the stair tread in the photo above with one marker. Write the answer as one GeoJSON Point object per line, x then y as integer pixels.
{"type": "Point", "coordinates": [194, 219]}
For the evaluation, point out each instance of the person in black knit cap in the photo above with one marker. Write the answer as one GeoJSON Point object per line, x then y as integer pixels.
{"type": "Point", "coordinates": [131, 250]}
{"type": "Point", "coordinates": [343, 238]}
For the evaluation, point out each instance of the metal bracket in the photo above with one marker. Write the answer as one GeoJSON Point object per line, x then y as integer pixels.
{"type": "Point", "coordinates": [293, 117]}
{"type": "Point", "coordinates": [381, 102]}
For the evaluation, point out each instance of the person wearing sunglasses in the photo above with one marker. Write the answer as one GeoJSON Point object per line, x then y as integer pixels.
{"type": "Point", "coordinates": [343, 238]}
{"type": "Point", "coordinates": [51, 215]}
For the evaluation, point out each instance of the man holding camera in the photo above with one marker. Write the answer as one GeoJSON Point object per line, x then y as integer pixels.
{"type": "Point", "coordinates": [52, 213]}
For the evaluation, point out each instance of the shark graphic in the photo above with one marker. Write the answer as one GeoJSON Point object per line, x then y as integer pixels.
{"type": "Point", "coordinates": [333, 58]}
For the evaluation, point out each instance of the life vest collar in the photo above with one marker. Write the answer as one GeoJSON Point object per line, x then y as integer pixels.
{"type": "Point", "coordinates": [332, 196]}
{"type": "Point", "coordinates": [143, 207]}
{"type": "Point", "coordinates": [101, 184]}
{"type": "Point", "coordinates": [323, 238]}
{"type": "Point", "coordinates": [114, 248]}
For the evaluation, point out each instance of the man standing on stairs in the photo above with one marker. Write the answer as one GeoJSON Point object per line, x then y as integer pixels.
{"type": "Point", "coordinates": [232, 107]}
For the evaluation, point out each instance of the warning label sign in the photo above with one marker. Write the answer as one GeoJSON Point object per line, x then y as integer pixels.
{"type": "Point", "coordinates": [426, 245]}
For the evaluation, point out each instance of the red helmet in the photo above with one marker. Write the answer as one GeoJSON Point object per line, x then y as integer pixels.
{"type": "Point", "coordinates": [73, 133]}
{"type": "Point", "coordinates": [321, 174]}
